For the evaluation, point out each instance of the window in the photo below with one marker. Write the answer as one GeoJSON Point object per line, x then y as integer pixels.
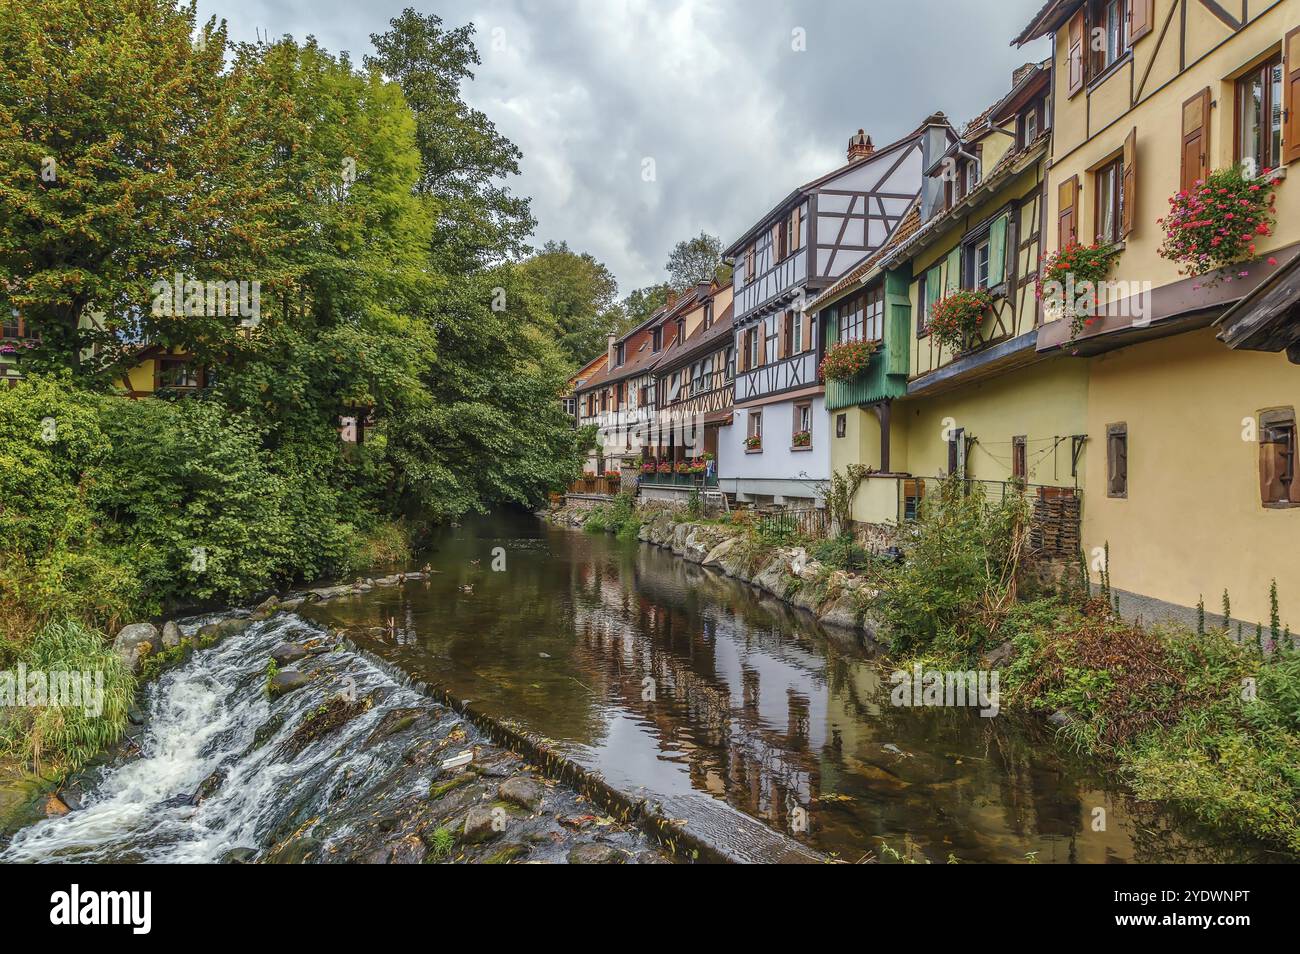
{"type": "Point", "coordinates": [754, 361]}
{"type": "Point", "coordinates": [1019, 459]}
{"type": "Point", "coordinates": [176, 373]}
{"type": "Point", "coordinates": [972, 178]}
{"type": "Point", "coordinates": [657, 340]}
{"type": "Point", "coordinates": [620, 354]}
{"type": "Point", "coordinates": [980, 265]}
{"type": "Point", "coordinates": [841, 425]}
{"type": "Point", "coordinates": [1029, 126]}
{"type": "Point", "coordinates": [731, 363]}
{"type": "Point", "coordinates": [708, 314]}
{"type": "Point", "coordinates": [873, 326]}
{"type": "Point", "coordinates": [12, 327]}
{"type": "Point", "coordinates": [1109, 26]}
{"type": "Point", "coordinates": [681, 330]}
{"type": "Point", "coordinates": [751, 263]}
{"type": "Point", "coordinates": [1259, 117]}
{"type": "Point", "coordinates": [957, 453]}
{"type": "Point", "coordinates": [1278, 484]}
{"type": "Point", "coordinates": [1110, 201]}
{"type": "Point", "coordinates": [802, 434]}
{"type": "Point", "coordinates": [850, 319]}
{"type": "Point", "coordinates": [769, 352]}
{"type": "Point", "coordinates": [796, 333]}
{"type": "Point", "coordinates": [755, 430]}
{"type": "Point", "coordinates": [1117, 460]}
{"type": "Point", "coordinates": [643, 397]}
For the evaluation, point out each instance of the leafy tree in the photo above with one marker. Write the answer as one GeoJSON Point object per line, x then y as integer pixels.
{"type": "Point", "coordinates": [643, 303]}
{"type": "Point", "coordinates": [126, 157]}
{"type": "Point", "coordinates": [463, 155]}
{"type": "Point", "coordinates": [693, 261]}
{"type": "Point", "coordinates": [578, 293]}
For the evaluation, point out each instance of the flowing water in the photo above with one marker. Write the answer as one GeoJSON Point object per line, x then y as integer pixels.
{"type": "Point", "coordinates": [733, 711]}
{"type": "Point", "coordinates": [210, 724]}
{"type": "Point", "coordinates": [754, 705]}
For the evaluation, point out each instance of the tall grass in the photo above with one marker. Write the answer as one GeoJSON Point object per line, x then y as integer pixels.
{"type": "Point", "coordinates": [65, 737]}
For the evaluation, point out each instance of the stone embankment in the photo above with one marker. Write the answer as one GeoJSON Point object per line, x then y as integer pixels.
{"type": "Point", "coordinates": [836, 597]}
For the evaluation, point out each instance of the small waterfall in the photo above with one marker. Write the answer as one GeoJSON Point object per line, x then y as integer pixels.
{"type": "Point", "coordinates": [221, 767]}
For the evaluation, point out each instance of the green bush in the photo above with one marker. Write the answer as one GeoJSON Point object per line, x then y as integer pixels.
{"type": "Point", "coordinates": [957, 579]}
{"type": "Point", "coordinates": [65, 737]}
{"type": "Point", "coordinates": [111, 508]}
{"type": "Point", "coordinates": [841, 553]}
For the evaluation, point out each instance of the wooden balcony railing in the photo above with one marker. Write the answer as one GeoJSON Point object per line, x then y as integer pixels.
{"type": "Point", "coordinates": [607, 485]}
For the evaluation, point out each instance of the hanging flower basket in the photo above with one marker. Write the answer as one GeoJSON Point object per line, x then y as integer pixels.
{"type": "Point", "coordinates": [845, 361]}
{"type": "Point", "coordinates": [956, 318]}
{"type": "Point", "coordinates": [1068, 283]}
{"type": "Point", "coordinates": [1214, 225]}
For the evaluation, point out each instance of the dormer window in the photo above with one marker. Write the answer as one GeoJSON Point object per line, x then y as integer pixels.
{"type": "Point", "coordinates": [972, 176]}
{"type": "Point", "coordinates": [657, 340]}
{"type": "Point", "coordinates": [620, 354]}
{"type": "Point", "coordinates": [681, 330]}
{"type": "Point", "coordinates": [708, 314]}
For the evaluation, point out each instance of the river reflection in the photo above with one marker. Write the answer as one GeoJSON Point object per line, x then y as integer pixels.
{"type": "Point", "coordinates": [684, 684]}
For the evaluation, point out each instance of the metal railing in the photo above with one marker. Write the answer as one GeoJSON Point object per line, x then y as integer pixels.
{"type": "Point", "coordinates": [810, 522]}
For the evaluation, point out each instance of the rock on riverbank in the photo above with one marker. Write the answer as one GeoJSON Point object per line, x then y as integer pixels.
{"type": "Point", "coordinates": [835, 597]}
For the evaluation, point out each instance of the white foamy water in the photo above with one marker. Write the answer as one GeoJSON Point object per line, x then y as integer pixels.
{"type": "Point", "coordinates": [203, 716]}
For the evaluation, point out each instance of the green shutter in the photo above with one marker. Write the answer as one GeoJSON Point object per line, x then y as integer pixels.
{"type": "Point", "coordinates": [933, 287]}
{"type": "Point", "coordinates": [952, 280]}
{"type": "Point", "coordinates": [998, 250]}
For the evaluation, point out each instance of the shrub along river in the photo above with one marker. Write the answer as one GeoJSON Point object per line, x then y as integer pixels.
{"type": "Point", "coordinates": [767, 736]}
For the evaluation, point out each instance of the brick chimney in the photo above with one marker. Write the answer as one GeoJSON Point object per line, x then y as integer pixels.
{"type": "Point", "coordinates": [609, 354]}
{"type": "Point", "coordinates": [860, 146]}
{"type": "Point", "coordinates": [672, 298]}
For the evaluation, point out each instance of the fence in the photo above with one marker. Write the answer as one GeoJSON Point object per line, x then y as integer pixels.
{"type": "Point", "coordinates": [1054, 519]}
{"type": "Point", "coordinates": [812, 522]}
{"type": "Point", "coordinates": [607, 485]}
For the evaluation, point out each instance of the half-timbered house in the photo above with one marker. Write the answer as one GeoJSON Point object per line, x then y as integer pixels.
{"type": "Point", "coordinates": [985, 407]}
{"type": "Point", "coordinates": [1191, 471]}
{"type": "Point", "coordinates": [694, 384]}
{"type": "Point", "coordinates": [804, 244]}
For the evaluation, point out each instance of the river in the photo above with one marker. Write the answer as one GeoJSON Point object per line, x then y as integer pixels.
{"type": "Point", "coordinates": [743, 718]}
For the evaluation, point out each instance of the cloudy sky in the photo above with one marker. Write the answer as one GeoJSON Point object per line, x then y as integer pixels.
{"type": "Point", "coordinates": [735, 101]}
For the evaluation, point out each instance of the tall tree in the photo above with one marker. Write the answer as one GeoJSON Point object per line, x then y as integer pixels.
{"type": "Point", "coordinates": [693, 261]}
{"type": "Point", "coordinates": [578, 293]}
{"type": "Point", "coordinates": [642, 303]}
{"type": "Point", "coordinates": [480, 221]}
{"type": "Point", "coordinates": [126, 158]}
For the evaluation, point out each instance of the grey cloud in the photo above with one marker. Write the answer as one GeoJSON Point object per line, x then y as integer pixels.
{"type": "Point", "coordinates": [711, 90]}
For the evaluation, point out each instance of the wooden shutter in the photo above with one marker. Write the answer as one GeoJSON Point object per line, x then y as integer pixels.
{"type": "Point", "coordinates": [952, 268]}
{"type": "Point", "coordinates": [742, 358]}
{"type": "Point", "coordinates": [1196, 140]}
{"type": "Point", "coordinates": [807, 332]}
{"type": "Point", "coordinates": [1067, 213]}
{"type": "Point", "coordinates": [998, 251]}
{"type": "Point", "coordinates": [1128, 193]}
{"type": "Point", "coordinates": [796, 220]}
{"type": "Point", "coordinates": [1141, 14]}
{"type": "Point", "coordinates": [1272, 465]}
{"type": "Point", "coordinates": [784, 334]}
{"type": "Point", "coordinates": [1291, 97]}
{"type": "Point", "coordinates": [1074, 69]}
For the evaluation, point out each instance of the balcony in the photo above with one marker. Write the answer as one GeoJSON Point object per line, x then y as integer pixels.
{"type": "Point", "coordinates": [685, 481]}
{"type": "Point", "coordinates": [606, 486]}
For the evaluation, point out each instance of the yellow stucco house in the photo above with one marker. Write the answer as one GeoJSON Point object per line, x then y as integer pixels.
{"type": "Point", "coordinates": [1191, 464]}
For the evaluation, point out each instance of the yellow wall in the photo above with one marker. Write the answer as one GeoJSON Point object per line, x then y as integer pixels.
{"type": "Point", "coordinates": [1041, 402]}
{"type": "Point", "coordinates": [1192, 523]}
{"type": "Point", "coordinates": [1090, 128]}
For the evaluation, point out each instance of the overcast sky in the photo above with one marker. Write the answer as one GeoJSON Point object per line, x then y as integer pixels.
{"type": "Point", "coordinates": [715, 92]}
